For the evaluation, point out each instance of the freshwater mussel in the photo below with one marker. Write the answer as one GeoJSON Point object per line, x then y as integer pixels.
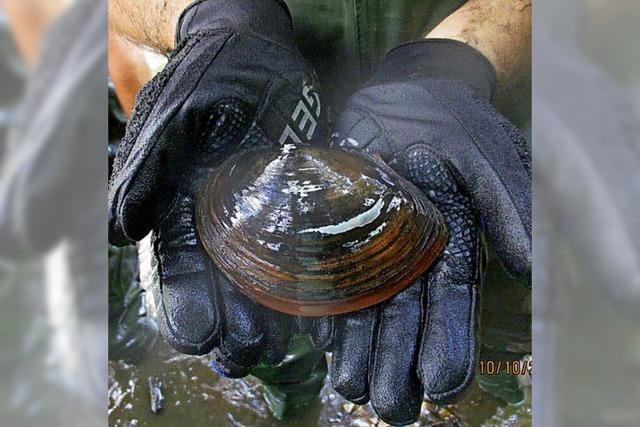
{"type": "Point", "coordinates": [315, 231]}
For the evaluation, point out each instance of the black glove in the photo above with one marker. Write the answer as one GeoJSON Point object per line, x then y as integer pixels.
{"type": "Point", "coordinates": [426, 112]}
{"type": "Point", "coordinates": [235, 81]}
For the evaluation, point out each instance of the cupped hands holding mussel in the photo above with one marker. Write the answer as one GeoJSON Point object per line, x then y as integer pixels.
{"type": "Point", "coordinates": [370, 244]}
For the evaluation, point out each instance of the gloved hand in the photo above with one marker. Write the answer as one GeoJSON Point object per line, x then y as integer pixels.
{"type": "Point", "coordinates": [426, 112]}
{"type": "Point", "coordinates": [236, 80]}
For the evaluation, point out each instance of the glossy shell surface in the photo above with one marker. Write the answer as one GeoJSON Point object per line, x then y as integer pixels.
{"type": "Point", "coordinates": [316, 231]}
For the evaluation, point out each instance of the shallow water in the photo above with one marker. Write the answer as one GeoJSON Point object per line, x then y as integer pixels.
{"type": "Point", "coordinates": [195, 396]}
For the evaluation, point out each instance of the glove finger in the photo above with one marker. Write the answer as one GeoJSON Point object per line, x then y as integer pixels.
{"type": "Point", "coordinates": [449, 350]}
{"type": "Point", "coordinates": [396, 391]}
{"type": "Point", "coordinates": [449, 344]}
{"type": "Point", "coordinates": [146, 185]}
{"type": "Point", "coordinates": [351, 353]}
{"type": "Point", "coordinates": [319, 329]}
{"type": "Point", "coordinates": [279, 330]}
{"type": "Point", "coordinates": [223, 364]}
{"type": "Point", "coordinates": [185, 293]}
{"type": "Point", "coordinates": [506, 212]}
{"type": "Point", "coordinates": [156, 102]}
{"type": "Point", "coordinates": [497, 178]}
{"type": "Point", "coordinates": [243, 338]}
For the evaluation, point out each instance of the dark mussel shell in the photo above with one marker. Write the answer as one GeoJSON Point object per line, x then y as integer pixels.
{"type": "Point", "coordinates": [316, 231]}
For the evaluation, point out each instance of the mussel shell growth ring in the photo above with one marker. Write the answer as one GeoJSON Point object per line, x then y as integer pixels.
{"type": "Point", "coordinates": [316, 231]}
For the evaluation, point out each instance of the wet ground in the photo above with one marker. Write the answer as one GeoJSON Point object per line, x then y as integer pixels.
{"type": "Point", "coordinates": [195, 396]}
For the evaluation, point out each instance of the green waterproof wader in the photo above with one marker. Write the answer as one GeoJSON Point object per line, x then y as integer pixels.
{"type": "Point", "coordinates": [345, 40]}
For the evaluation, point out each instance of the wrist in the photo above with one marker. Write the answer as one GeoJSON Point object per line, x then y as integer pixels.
{"type": "Point", "coordinates": [267, 17]}
{"type": "Point", "coordinates": [441, 59]}
{"type": "Point", "coordinates": [462, 27]}
{"type": "Point", "coordinates": [500, 30]}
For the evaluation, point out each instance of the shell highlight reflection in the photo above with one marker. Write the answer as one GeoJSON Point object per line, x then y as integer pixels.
{"type": "Point", "coordinates": [316, 231]}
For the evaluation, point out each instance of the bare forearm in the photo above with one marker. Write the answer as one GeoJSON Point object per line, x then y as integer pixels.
{"type": "Point", "coordinates": [499, 29]}
{"type": "Point", "coordinates": [150, 23]}
{"type": "Point", "coordinates": [128, 70]}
